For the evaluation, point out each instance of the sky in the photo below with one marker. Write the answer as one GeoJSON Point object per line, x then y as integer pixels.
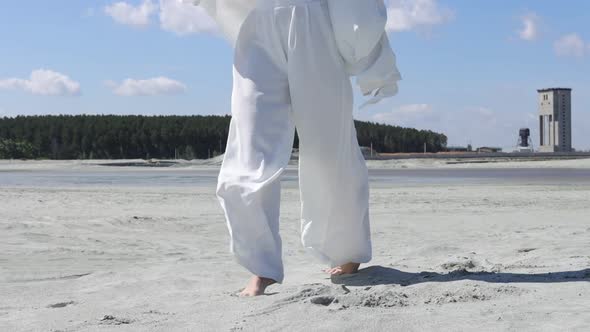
{"type": "Point", "coordinates": [470, 68]}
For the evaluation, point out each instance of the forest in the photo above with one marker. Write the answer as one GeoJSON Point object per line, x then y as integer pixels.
{"type": "Point", "coordinates": [163, 137]}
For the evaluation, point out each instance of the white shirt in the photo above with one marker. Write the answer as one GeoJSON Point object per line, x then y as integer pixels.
{"type": "Point", "coordinates": [359, 30]}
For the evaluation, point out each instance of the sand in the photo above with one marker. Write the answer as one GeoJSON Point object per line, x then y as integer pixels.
{"type": "Point", "coordinates": [452, 257]}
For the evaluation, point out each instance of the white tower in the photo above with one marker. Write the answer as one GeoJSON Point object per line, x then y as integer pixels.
{"type": "Point", "coordinates": [555, 120]}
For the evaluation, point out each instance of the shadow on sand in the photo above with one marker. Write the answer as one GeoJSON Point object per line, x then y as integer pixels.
{"type": "Point", "coordinates": [380, 275]}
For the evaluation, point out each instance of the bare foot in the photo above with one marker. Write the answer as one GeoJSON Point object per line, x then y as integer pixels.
{"type": "Point", "coordinates": [348, 268]}
{"type": "Point", "coordinates": [256, 286]}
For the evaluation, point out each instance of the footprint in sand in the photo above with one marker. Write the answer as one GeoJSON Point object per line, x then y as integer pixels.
{"type": "Point", "coordinates": [112, 320]}
{"type": "Point", "coordinates": [459, 264]}
{"type": "Point", "coordinates": [323, 300]}
{"type": "Point", "coordinates": [474, 293]}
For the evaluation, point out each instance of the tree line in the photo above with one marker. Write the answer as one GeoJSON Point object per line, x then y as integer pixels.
{"type": "Point", "coordinates": [163, 137]}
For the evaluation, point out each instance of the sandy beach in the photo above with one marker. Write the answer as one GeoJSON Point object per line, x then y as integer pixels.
{"type": "Point", "coordinates": [105, 252]}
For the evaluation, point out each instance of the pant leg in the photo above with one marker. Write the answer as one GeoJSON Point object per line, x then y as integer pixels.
{"type": "Point", "coordinates": [259, 148]}
{"type": "Point", "coordinates": [333, 173]}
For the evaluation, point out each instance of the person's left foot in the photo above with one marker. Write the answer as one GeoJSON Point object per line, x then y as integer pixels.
{"type": "Point", "coordinates": [348, 268]}
{"type": "Point", "coordinates": [256, 286]}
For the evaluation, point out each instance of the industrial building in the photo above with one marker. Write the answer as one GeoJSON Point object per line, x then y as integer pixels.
{"type": "Point", "coordinates": [555, 120]}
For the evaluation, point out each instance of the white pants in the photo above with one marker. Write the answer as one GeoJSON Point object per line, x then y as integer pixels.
{"type": "Point", "coordinates": [287, 73]}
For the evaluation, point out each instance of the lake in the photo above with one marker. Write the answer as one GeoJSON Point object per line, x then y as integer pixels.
{"type": "Point", "coordinates": [208, 177]}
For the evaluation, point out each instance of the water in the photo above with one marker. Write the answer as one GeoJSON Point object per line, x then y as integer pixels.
{"type": "Point", "coordinates": [563, 176]}
{"type": "Point", "coordinates": [208, 177]}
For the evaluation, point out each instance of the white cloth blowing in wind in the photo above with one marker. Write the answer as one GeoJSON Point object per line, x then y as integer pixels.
{"type": "Point", "coordinates": [359, 31]}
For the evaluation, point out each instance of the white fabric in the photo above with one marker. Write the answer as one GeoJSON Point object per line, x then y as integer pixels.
{"type": "Point", "coordinates": [359, 29]}
{"type": "Point", "coordinates": [380, 77]}
{"type": "Point", "coordinates": [358, 26]}
{"type": "Point", "coordinates": [359, 32]}
{"type": "Point", "coordinates": [288, 72]}
{"type": "Point", "coordinates": [229, 14]}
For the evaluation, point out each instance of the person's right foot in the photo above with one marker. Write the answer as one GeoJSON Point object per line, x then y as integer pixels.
{"type": "Point", "coordinates": [349, 268]}
{"type": "Point", "coordinates": [256, 286]}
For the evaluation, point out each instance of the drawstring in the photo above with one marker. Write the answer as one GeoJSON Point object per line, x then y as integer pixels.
{"type": "Point", "coordinates": [308, 21]}
{"type": "Point", "coordinates": [292, 34]}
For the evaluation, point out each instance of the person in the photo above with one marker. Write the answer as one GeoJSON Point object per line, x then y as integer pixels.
{"type": "Point", "coordinates": [293, 62]}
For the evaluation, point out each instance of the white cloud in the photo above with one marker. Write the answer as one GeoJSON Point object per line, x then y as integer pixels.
{"type": "Point", "coordinates": [176, 16]}
{"type": "Point", "coordinates": [571, 45]}
{"type": "Point", "coordinates": [137, 16]}
{"type": "Point", "coordinates": [182, 18]}
{"type": "Point", "coordinates": [406, 115]}
{"type": "Point", "coordinates": [407, 15]}
{"type": "Point", "coordinates": [530, 27]}
{"type": "Point", "coordinates": [44, 82]}
{"type": "Point", "coordinates": [415, 108]}
{"type": "Point", "coordinates": [89, 12]}
{"type": "Point", "coordinates": [149, 87]}
{"type": "Point", "coordinates": [483, 111]}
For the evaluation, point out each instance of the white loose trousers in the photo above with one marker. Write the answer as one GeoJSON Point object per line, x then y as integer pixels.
{"type": "Point", "coordinates": [288, 73]}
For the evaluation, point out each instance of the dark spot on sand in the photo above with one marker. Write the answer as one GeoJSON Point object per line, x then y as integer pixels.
{"type": "Point", "coordinates": [61, 304]}
{"type": "Point", "coordinates": [524, 250]}
{"type": "Point", "coordinates": [322, 300]}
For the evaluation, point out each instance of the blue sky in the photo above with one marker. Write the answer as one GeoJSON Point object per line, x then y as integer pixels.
{"type": "Point", "coordinates": [471, 67]}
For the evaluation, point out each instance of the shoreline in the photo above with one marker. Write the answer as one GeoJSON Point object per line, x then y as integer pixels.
{"type": "Point", "coordinates": [407, 162]}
